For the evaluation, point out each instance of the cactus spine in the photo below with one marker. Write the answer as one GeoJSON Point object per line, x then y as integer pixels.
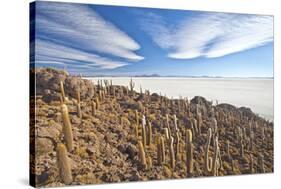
{"type": "Point", "coordinates": [67, 128]}
{"type": "Point", "coordinates": [142, 155]}
{"type": "Point", "coordinates": [63, 164]}
{"type": "Point", "coordinates": [189, 152]}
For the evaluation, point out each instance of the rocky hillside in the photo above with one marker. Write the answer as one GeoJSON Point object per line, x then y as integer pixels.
{"type": "Point", "coordinates": [89, 133]}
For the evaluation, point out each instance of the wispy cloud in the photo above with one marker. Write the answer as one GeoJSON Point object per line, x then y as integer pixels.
{"type": "Point", "coordinates": [69, 33]}
{"type": "Point", "coordinates": [209, 34]}
{"type": "Point", "coordinates": [52, 53]}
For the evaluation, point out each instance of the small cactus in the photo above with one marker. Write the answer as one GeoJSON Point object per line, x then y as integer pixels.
{"type": "Point", "coordinates": [149, 162]}
{"type": "Point", "coordinates": [94, 107]}
{"type": "Point", "coordinates": [142, 155]}
{"type": "Point", "coordinates": [160, 150]}
{"type": "Point", "coordinates": [189, 152]}
{"type": "Point", "coordinates": [63, 164]}
{"type": "Point", "coordinates": [67, 128]}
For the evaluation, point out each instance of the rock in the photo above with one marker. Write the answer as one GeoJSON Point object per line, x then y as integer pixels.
{"type": "Point", "coordinates": [201, 101]}
{"type": "Point", "coordinates": [43, 146]}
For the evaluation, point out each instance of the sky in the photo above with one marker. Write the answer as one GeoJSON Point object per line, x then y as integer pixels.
{"type": "Point", "coordinates": [114, 40]}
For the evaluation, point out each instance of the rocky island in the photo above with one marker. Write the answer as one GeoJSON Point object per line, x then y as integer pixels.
{"type": "Point", "coordinates": [91, 133]}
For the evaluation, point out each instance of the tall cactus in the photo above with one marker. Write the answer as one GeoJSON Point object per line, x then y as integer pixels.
{"type": "Point", "coordinates": [79, 112]}
{"type": "Point", "coordinates": [172, 153]}
{"type": "Point", "coordinates": [208, 160]}
{"type": "Point", "coordinates": [215, 158]}
{"type": "Point", "coordinates": [62, 91]}
{"type": "Point", "coordinates": [63, 164]}
{"type": "Point", "coordinates": [251, 164]}
{"type": "Point", "coordinates": [143, 129]}
{"type": "Point", "coordinates": [132, 85]}
{"type": "Point", "coordinates": [160, 150]}
{"type": "Point", "coordinates": [261, 163]}
{"type": "Point", "coordinates": [67, 128]}
{"type": "Point", "coordinates": [177, 150]}
{"type": "Point", "coordinates": [189, 152]}
{"type": "Point", "coordinates": [137, 117]}
{"type": "Point", "coordinates": [149, 134]}
{"type": "Point", "coordinates": [142, 155]}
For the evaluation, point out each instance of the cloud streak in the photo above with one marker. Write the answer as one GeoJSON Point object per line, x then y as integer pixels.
{"type": "Point", "coordinates": [209, 34]}
{"type": "Point", "coordinates": [74, 33]}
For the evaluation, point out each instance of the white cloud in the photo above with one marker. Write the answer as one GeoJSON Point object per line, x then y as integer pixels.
{"type": "Point", "coordinates": [210, 34]}
{"type": "Point", "coordinates": [80, 27]}
{"type": "Point", "coordinates": [51, 53]}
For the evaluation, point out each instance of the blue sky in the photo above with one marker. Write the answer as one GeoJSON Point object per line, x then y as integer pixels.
{"type": "Point", "coordinates": [96, 39]}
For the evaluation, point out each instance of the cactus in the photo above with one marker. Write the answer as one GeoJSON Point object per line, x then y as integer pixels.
{"type": "Point", "coordinates": [189, 152]}
{"type": "Point", "coordinates": [149, 134]}
{"type": "Point", "coordinates": [62, 91]}
{"type": "Point", "coordinates": [142, 155]}
{"type": "Point", "coordinates": [97, 103]}
{"type": "Point", "coordinates": [195, 125]}
{"type": "Point", "coordinates": [251, 164]}
{"type": "Point", "coordinates": [199, 123]}
{"type": "Point", "coordinates": [94, 107]}
{"type": "Point", "coordinates": [215, 158]}
{"type": "Point", "coordinates": [140, 89]}
{"type": "Point", "coordinates": [132, 85]}
{"type": "Point", "coordinates": [227, 150]}
{"type": "Point", "coordinates": [175, 122]}
{"type": "Point", "coordinates": [166, 133]}
{"type": "Point", "coordinates": [261, 163]}
{"type": "Point", "coordinates": [78, 105]}
{"type": "Point", "coordinates": [172, 153]}
{"type": "Point", "coordinates": [143, 131]}
{"type": "Point", "coordinates": [241, 145]}
{"type": "Point", "coordinates": [168, 126]}
{"type": "Point", "coordinates": [177, 144]}
{"type": "Point", "coordinates": [63, 164]}
{"type": "Point", "coordinates": [137, 117]}
{"type": "Point", "coordinates": [160, 150]}
{"type": "Point", "coordinates": [214, 125]}
{"type": "Point", "coordinates": [149, 162]}
{"type": "Point", "coordinates": [67, 128]}
{"type": "Point", "coordinates": [137, 131]}
{"type": "Point", "coordinates": [208, 160]}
